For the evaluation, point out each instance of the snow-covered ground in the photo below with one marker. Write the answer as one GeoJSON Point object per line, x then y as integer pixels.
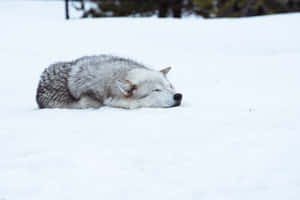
{"type": "Point", "coordinates": [235, 137]}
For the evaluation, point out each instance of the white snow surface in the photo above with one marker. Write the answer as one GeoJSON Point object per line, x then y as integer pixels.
{"type": "Point", "coordinates": [235, 137]}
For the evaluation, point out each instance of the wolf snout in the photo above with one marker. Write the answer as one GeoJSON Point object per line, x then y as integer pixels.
{"type": "Point", "coordinates": [177, 97]}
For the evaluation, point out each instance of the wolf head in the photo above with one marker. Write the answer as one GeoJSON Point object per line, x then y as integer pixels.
{"type": "Point", "coordinates": [149, 88]}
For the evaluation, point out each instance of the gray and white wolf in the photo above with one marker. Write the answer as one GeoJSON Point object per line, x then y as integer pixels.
{"type": "Point", "coordinates": [104, 80]}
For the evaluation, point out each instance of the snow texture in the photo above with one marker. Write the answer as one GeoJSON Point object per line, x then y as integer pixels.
{"type": "Point", "coordinates": [235, 137]}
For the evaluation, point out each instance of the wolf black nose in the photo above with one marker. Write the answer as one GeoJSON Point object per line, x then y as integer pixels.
{"type": "Point", "coordinates": [177, 97]}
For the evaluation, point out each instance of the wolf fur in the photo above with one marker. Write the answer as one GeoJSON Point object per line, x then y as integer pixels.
{"type": "Point", "coordinates": [104, 80]}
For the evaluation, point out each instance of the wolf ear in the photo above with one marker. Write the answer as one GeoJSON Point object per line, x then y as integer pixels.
{"type": "Point", "coordinates": [166, 70]}
{"type": "Point", "coordinates": [126, 87]}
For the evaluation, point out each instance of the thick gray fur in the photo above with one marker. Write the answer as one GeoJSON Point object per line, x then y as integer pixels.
{"type": "Point", "coordinates": [94, 81]}
{"type": "Point", "coordinates": [63, 84]}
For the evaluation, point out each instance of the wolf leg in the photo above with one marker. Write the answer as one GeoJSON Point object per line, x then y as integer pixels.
{"type": "Point", "coordinates": [122, 103]}
{"type": "Point", "coordinates": [86, 102]}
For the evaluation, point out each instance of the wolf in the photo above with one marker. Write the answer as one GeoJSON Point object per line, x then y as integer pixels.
{"type": "Point", "coordinates": [105, 80]}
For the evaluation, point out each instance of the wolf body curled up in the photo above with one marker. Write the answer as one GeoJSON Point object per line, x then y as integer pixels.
{"type": "Point", "coordinates": [104, 80]}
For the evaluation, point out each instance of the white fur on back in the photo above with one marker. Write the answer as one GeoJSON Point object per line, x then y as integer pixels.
{"type": "Point", "coordinates": [139, 75]}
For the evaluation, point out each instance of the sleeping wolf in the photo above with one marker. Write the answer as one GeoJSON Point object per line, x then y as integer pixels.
{"type": "Point", "coordinates": [104, 80]}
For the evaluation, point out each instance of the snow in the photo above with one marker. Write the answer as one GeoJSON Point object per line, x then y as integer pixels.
{"type": "Point", "coordinates": [235, 137]}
